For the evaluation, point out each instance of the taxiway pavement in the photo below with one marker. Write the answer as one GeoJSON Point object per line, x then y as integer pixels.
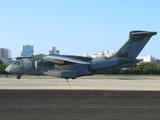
{"type": "Point", "coordinates": [81, 84]}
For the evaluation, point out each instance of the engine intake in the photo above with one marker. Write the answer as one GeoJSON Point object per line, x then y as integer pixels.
{"type": "Point", "coordinates": [43, 65]}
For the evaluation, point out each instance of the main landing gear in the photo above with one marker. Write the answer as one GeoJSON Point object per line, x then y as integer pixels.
{"type": "Point", "coordinates": [73, 78]}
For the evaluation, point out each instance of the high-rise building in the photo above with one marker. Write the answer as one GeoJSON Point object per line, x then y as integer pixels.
{"type": "Point", "coordinates": [27, 50]}
{"type": "Point", "coordinates": [53, 51]}
{"type": "Point", "coordinates": [5, 53]}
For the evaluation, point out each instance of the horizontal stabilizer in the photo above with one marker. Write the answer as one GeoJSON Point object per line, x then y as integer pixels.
{"type": "Point", "coordinates": [142, 33]}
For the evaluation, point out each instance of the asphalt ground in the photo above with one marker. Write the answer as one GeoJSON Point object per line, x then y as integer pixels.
{"type": "Point", "coordinates": [79, 105]}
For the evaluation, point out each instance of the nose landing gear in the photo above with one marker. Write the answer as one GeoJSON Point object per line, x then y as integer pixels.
{"type": "Point", "coordinates": [18, 76]}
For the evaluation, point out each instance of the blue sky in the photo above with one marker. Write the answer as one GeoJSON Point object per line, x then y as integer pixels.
{"type": "Point", "coordinates": [77, 26]}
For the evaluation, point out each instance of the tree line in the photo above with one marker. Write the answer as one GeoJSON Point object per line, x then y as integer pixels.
{"type": "Point", "coordinates": [141, 68]}
{"type": "Point", "coordinates": [3, 66]}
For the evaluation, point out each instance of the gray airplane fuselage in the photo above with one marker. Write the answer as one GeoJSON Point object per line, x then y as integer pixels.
{"type": "Point", "coordinates": [98, 65]}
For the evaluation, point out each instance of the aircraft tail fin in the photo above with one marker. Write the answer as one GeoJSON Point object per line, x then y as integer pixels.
{"type": "Point", "coordinates": [135, 44]}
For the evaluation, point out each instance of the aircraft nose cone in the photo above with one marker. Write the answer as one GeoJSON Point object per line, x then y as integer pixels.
{"type": "Point", "coordinates": [7, 69]}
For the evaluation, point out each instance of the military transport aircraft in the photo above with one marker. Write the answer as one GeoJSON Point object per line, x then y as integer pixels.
{"type": "Point", "coordinates": [68, 66]}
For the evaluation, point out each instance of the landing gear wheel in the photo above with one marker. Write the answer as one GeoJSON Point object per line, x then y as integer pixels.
{"type": "Point", "coordinates": [66, 78]}
{"type": "Point", "coordinates": [73, 78]}
{"type": "Point", "coordinates": [18, 77]}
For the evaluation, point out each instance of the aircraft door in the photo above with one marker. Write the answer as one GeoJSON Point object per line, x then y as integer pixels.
{"type": "Point", "coordinates": [81, 69]}
{"type": "Point", "coordinates": [28, 67]}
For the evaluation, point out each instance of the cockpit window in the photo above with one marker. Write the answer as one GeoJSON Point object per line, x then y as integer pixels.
{"type": "Point", "coordinates": [17, 62]}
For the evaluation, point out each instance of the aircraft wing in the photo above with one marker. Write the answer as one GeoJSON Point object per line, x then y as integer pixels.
{"type": "Point", "coordinates": [62, 59]}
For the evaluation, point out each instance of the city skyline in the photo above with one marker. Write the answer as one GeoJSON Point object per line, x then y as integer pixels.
{"type": "Point", "coordinates": [106, 53]}
{"type": "Point", "coordinates": [77, 27]}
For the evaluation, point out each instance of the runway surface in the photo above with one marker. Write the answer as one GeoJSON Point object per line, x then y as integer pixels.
{"type": "Point", "coordinates": [79, 105]}
{"type": "Point", "coordinates": [80, 99]}
{"type": "Point", "coordinates": [82, 84]}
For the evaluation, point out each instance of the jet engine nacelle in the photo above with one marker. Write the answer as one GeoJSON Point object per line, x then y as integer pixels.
{"type": "Point", "coordinates": [43, 65]}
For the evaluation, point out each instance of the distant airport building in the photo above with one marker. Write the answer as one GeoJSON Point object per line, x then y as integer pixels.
{"type": "Point", "coordinates": [86, 55]}
{"type": "Point", "coordinates": [148, 58]}
{"type": "Point", "coordinates": [103, 54]}
{"type": "Point", "coordinates": [27, 50]}
{"type": "Point", "coordinates": [5, 53]}
{"type": "Point", "coordinates": [53, 51]}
